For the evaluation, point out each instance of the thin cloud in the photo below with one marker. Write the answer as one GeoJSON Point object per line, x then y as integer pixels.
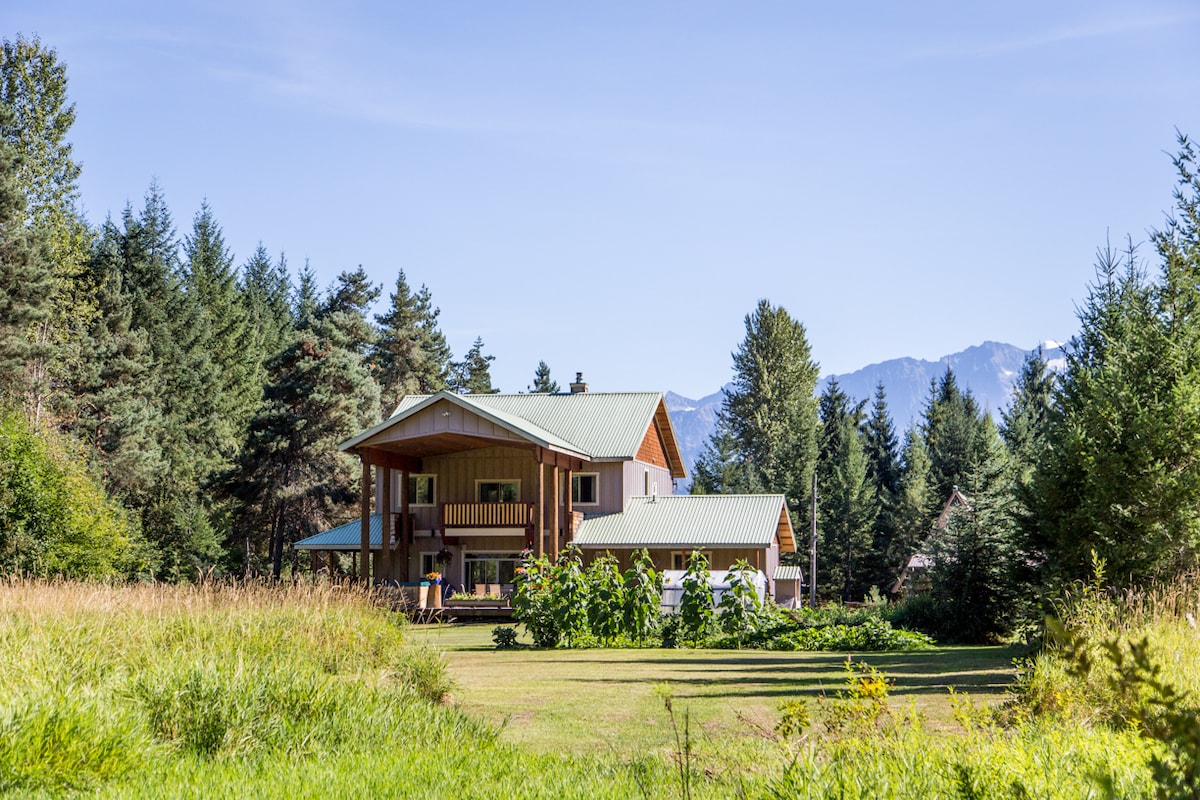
{"type": "Point", "coordinates": [1042, 39]}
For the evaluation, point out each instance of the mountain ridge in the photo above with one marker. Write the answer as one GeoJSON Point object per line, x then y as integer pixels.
{"type": "Point", "coordinates": [988, 369]}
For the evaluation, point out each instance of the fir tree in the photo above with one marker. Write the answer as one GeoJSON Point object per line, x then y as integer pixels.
{"type": "Point", "coordinates": [542, 382]}
{"type": "Point", "coordinates": [265, 294]}
{"type": "Point", "coordinates": [473, 375]}
{"type": "Point", "coordinates": [767, 426]}
{"type": "Point", "coordinates": [915, 498]}
{"type": "Point", "coordinates": [411, 355]}
{"type": "Point", "coordinates": [345, 310]}
{"type": "Point", "coordinates": [211, 280]}
{"type": "Point", "coordinates": [847, 496]}
{"type": "Point", "coordinates": [954, 428]}
{"type": "Point", "coordinates": [881, 448]}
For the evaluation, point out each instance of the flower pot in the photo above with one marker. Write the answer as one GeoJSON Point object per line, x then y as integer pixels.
{"type": "Point", "coordinates": [435, 596]}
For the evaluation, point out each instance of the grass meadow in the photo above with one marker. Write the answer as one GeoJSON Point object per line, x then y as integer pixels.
{"type": "Point", "coordinates": [316, 691]}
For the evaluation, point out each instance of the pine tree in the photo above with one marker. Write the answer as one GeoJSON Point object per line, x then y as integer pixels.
{"type": "Point", "coordinates": [345, 310]}
{"type": "Point", "coordinates": [847, 496]}
{"type": "Point", "coordinates": [292, 480]}
{"type": "Point", "coordinates": [25, 277]}
{"type": "Point", "coordinates": [472, 375]}
{"type": "Point", "coordinates": [305, 298]}
{"type": "Point", "coordinates": [411, 355]}
{"type": "Point", "coordinates": [767, 426]}
{"type": "Point", "coordinates": [542, 382]}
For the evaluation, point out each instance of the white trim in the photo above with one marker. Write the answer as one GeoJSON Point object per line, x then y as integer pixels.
{"type": "Point", "coordinates": [433, 480]}
{"type": "Point", "coordinates": [516, 481]}
{"type": "Point", "coordinates": [581, 475]}
{"type": "Point", "coordinates": [514, 532]}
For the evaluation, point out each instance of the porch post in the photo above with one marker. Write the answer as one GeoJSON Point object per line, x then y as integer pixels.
{"type": "Point", "coordinates": [364, 561]}
{"type": "Point", "coordinates": [404, 525]}
{"type": "Point", "coordinates": [569, 517]}
{"type": "Point", "coordinates": [540, 538]}
{"type": "Point", "coordinates": [555, 507]}
{"type": "Point", "coordinates": [385, 513]}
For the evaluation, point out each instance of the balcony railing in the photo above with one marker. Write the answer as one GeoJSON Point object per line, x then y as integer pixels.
{"type": "Point", "coordinates": [487, 515]}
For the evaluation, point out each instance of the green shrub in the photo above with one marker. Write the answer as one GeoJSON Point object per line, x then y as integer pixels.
{"type": "Point", "coordinates": [505, 638]}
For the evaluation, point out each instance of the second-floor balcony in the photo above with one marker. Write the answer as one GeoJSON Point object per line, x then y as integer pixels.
{"type": "Point", "coordinates": [487, 515]}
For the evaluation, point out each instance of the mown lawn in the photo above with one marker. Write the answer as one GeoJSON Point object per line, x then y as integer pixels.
{"type": "Point", "coordinates": [584, 700]}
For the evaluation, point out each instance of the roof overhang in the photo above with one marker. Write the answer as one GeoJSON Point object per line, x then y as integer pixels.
{"type": "Point", "coordinates": [440, 436]}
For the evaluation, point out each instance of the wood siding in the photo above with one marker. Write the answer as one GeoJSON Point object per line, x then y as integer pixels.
{"type": "Point", "coordinates": [652, 450]}
{"type": "Point", "coordinates": [634, 480]}
{"type": "Point", "coordinates": [434, 420]}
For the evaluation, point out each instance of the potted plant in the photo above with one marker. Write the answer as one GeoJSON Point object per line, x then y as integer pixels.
{"type": "Point", "coordinates": [434, 589]}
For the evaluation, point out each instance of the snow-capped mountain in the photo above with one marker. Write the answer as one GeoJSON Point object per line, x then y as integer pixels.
{"type": "Point", "coordinates": [988, 370]}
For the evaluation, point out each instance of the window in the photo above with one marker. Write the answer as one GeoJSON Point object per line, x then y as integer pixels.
{"type": "Point", "coordinates": [678, 559]}
{"type": "Point", "coordinates": [487, 568]}
{"type": "Point", "coordinates": [646, 482]}
{"type": "Point", "coordinates": [422, 490]}
{"type": "Point", "coordinates": [498, 491]}
{"type": "Point", "coordinates": [585, 489]}
{"type": "Point", "coordinates": [429, 564]}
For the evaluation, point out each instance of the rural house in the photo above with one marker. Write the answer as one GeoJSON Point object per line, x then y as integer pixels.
{"type": "Point", "coordinates": [470, 481]}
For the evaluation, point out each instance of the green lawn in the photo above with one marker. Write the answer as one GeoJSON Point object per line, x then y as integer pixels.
{"type": "Point", "coordinates": [584, 700]}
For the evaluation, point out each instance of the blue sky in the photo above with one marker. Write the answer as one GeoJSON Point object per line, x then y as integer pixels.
{"type": "Point", "coordinates": [612, 187]}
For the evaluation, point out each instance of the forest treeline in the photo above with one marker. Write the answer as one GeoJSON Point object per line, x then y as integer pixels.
{"type": "Point", "coordinates": [1096, 465]}
{"type": "Point", "coordinates": [169, 410]}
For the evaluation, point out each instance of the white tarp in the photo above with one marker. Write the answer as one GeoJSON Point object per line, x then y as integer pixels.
{"type": "Point", "coordinates": [718, 581]}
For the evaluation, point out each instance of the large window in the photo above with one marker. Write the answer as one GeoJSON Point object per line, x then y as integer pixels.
{"type": "Point", "coordinates": [585, 489]}
{"type": "Point", "coordinates": [422, 490]}
{"type": "Point", "coordinates": [498, 491]}
{"type": "Point", "coordinates": [484, 568]}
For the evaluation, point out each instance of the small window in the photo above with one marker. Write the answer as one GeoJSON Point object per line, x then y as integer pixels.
{"type": "Point", "coordinates": [585, 489]}
{"type": "Point", "coordinates": [498, 491]}
{"type": "Point", "coordinates": [646, 482]}
{"type": "Point", "coordinates": [422, 490]}
{"type": "Point", "coordinates": [678, 559]}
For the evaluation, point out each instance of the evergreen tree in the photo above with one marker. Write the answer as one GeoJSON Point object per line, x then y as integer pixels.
{"type": "Point", "coordinates": [33, 85]}
{"type": "Point", "coordinates": [847, 496]}
{"type": "Point", "coordinates": [883, 471]}
{"type": "Point", "coordinates": [115, 414]}
{"type": "Point", "coordinates": [473, 375]}
{"type": "Point", "coordinates": [954, 428]}
{"type": "Point", "coordinates": [767, 426]}
{"type": "Point", "coordinates": [292, 480]}
{"type": "Point", "coordinates": [345, 309]}
{"type": "Point", "coordinates": [25, 277]}
{"type": "Point", "coordinates": [1118, 475]}
{"type": "Point", "coordinates": [305, 298]}
{"type": "Point", "coordinates": [718, 470]}
{"type": "Point", "coordinates": [211, 280]}
{"type": "Point", "coordinates": [265, 294]}
{"type": "Point", "coordinates": [975, 558]}
{"type": "Point", "coordinates": [411, 355]}
{"type": "Point", "coordinates": [915, 497]}
{"type": "Point", "coordinates": [542, 382]}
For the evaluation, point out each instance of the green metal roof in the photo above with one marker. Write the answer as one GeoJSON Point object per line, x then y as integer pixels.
{"type": "Point", "coordinates": [682, 521]}
{"type": "Point", "coordinates": [602, 426]}
{"type": "Point", "coordinates": [788, 572]}
{"type": "Point", "coordinates": [344, 537]}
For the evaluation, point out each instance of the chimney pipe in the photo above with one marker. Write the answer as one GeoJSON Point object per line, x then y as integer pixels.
{"type": "Point", "coordinates": [578, 386]}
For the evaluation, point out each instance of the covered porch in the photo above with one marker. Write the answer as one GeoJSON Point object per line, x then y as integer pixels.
{"type": "Point", "coordinates": [453, 486]}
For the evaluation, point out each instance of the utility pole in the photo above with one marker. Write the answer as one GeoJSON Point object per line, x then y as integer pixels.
{"type": "Point", "coordinates": [812, 569]}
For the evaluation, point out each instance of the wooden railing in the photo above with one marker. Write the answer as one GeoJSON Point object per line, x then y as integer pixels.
{"type": "Point", "coordinates": [487, 515]}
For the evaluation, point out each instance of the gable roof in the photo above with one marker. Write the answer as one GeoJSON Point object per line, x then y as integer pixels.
{"type": "Point", "coordinates": [597, 426]}
{"type": "Point", "coordinates": [692, 520]}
